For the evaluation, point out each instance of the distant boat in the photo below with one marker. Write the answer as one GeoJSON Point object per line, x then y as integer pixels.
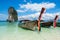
{"type": "Point", "coordinates": [46, 24]}
{"type": "Point", "coordinates": [50, 23]}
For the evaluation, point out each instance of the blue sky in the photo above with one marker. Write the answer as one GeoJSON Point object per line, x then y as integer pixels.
{"type": "Point", "coordinates": [30, 9]}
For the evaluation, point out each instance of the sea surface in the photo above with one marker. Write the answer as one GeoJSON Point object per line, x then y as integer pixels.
{"type": "Point", "coordinates": [11, 31]}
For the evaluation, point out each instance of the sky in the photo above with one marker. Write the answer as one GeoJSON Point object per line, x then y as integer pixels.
{"type": "Point", "coordinates": [30, 9]}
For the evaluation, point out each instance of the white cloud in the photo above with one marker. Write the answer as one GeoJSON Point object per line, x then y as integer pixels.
{"type": "Point", "coordinates": [46, 16]}
{"type": "Point", "coordinates": [21, 10]}
{"type": "Point", "coordinates": [3, 16]}
{"type": "Point", "coordinates": [37, 6]}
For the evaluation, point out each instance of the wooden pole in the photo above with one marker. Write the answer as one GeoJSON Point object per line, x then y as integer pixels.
{"type": "Point", "coordinates": [54, 23]}
{"type": "Point", "coordinates": [39, 19]}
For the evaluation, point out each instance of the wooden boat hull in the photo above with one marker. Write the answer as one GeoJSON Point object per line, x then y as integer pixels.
{"type": "Point", "coordinates": [58, 24]}
{"type": "Point", "coordinates": [30, 25]}
{"type": "Point", "coordinates": [46, 24]}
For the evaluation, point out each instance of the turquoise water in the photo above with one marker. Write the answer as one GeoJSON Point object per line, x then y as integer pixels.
{"type": "Point", "coordinates": [11, 31]}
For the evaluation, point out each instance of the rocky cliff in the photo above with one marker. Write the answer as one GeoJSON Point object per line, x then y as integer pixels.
{"type": "Point", "coordinates": [12, 15]}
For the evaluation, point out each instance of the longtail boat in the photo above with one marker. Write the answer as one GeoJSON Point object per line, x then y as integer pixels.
{"type": "Point", "coordinates": [28, 24]}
